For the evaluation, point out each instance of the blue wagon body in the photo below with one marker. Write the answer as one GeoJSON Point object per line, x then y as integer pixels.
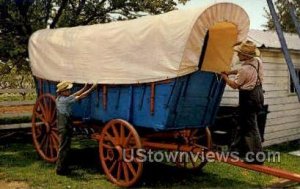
{"type": "Point", "coordinates": [189, 101]}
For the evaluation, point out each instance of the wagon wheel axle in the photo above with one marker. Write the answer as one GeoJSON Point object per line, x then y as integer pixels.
{"type": "Point", "coordinates": [199, 139]}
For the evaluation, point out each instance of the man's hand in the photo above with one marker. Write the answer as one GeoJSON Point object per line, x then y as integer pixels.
{"type": "Point", "coordinates": [224, 76]}
{"type": "Point", "coordinates": [229, 82]}
{"type": "Point", "coordinates": [85, 86]}
{"type": "Point", "coordinates": [94, 86]}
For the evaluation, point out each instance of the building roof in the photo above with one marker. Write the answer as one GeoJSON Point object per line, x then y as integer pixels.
{"type": "Point", "coordinates": [269, 39]}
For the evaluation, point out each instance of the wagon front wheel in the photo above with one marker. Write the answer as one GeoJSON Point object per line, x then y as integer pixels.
{"type": "Point", "coordinates": [44, 128]}
{"type": "Point", "coordinates": [118, 144]}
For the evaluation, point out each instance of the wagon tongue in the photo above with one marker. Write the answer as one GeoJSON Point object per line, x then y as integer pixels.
{"type": "Point", "coordinates": [260, 168]}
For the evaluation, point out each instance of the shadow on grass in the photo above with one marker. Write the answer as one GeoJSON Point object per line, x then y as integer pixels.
{"type": "Point", "coordinates": [286, 147]}
{"type": "Point", "coordinates": [154, 174]}
{"type": "Point", "coordinates": [163, 175]}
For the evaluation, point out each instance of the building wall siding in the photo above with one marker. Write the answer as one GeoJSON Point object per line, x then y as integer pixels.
{"type": "Point", "coordinates": [283, 121]}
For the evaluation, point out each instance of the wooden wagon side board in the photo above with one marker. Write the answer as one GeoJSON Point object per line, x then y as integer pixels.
{"type": "Point", "coordinates": [186, 102]}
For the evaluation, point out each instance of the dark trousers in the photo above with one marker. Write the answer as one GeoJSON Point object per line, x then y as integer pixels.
{"type": "Point", "coordinates": [251, 140]}
{"type": "Point", "coordinates": [65, 136]}
{"type": "Point", "coordinates": [248, 137]}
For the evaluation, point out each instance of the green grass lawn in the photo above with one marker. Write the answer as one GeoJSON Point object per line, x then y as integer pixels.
{"type": "Point", "coordinates": [20, 162]}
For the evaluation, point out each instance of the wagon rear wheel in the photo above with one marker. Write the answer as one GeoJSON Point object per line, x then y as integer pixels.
{"type": "Point", "coordinates": [44, 128]}
{"type": "Point", "coordinates": [117, 141]}
{"type": "Point", "coordinates": [199, 138]}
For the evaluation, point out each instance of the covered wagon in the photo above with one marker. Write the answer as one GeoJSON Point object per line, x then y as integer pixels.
{"type": "Point", "coordinates": [158, 81]}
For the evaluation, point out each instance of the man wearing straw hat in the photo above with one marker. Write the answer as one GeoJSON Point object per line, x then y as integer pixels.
{"type": "Point", "coordinates": [64, 101]}
{"type": "Point", "coordinates": [248, 81]}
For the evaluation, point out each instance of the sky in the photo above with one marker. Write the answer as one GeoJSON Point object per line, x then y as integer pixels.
{"type": "Point", "coordinates": [254, 8]}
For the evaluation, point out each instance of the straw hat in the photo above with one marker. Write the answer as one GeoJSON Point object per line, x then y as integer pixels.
{"type": "Point", "coordinates": [64, 85]}
{"type": "Point", "coordinates": [247, 48]}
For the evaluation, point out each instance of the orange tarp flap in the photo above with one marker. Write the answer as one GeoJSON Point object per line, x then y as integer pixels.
{"type": "Point", "coordinates": [219, 51]}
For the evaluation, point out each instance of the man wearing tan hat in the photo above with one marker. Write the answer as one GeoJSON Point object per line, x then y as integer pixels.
{"type": "Point", "coordinates": [248, 81]}
{"type": "Point", "coordinates": [64, 102]}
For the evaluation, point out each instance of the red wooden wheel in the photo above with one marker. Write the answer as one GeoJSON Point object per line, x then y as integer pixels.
{"type": "Point", "coordinates": [118, 140]}
{"type": "Point", "coordinates": [44, 128]}
{"type": "Point", "coordinates": [190, 160]}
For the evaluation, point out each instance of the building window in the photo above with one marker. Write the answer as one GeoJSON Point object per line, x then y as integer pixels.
{"type": "Point", "coordinates": [292, 87]}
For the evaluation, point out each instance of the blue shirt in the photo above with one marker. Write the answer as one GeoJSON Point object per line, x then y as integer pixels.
{"type": "Point", "coordinates": [64, 103]}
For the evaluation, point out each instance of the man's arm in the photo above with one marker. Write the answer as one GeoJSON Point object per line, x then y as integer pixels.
{"type": "Point", "coordinates": [232, 72]}
{"type": "Point", "coordinates": [84, 94]}
{"type": "Point", "coordinates": [229, 82]}
{"type": "Point", "coordinates": [80, 91]}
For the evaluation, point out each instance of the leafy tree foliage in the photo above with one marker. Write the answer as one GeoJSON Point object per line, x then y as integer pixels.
{"type": "Point", "coordinates": [15, 78]}
{"type": "Point", "coordinates": [284, 15]}
{"type": "Point", "coordinates": [20, 18]}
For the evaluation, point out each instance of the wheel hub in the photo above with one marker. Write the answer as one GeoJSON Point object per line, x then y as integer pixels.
{"type": "Point", "coordinates": [120, 152]}
{"type": "Point", "coordinates": [48, 129]}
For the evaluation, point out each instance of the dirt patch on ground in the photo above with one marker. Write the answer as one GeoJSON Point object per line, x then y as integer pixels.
{"type": "Point", "coordinates": [13, 185]}
{"type": "Point", "coordinates": [16, 109]}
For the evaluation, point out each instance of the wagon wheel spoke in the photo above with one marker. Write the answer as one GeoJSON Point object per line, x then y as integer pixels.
{"type": "Point", "coordinates": [117, 139]}
{"type": "Point", "coordinates": [122, 134]}
{"type": "Point", "coordinates": [55, 136]}
{"type": "Point", "coordinates": [46, 106]}
{"type": "Point", "coordinates": [107, 146]}
{"type": "Point", "coordinates": [53, 112]}
{"type": "Point", "coordinates": [132, 170]}
{"type": "Point", "coordinates": [125, 169]}
{"type": "Point", "coordinates": [108, 137]}
{"type": "Point", "coordinates": [127, 139]}
{"type": "Point", "coordinates": [55, 142]}
{"type": "Point", "coordinates": [43, 110]}
{"type": "Point", "coordinates": [40, 116]}
{"type": "Point", "coordinates": [46, 146]}
{"type": "Point", "coordinates": [116, 135]}
{"type": "Point", "coordinates": [113, 166]}
{"type": "Point", "coordinates": [50, 146]}
{"type": "Point", "coordinates": [52, 116]}
{"type": "Point", "coordinates": [119, 170]}
{"type": "Point", "coordinates": [54, 128]}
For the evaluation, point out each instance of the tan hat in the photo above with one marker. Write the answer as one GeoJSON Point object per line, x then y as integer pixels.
{"type": "Point", "coordinates": [64, 85]}
{"type": "Point", "coordinates": [247, 48]}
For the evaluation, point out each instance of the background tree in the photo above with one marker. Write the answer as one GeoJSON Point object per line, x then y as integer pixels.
{"type": "Point", "coordinates": [284, 16]}
{"type": "Point", "coordinates": [20, 18]}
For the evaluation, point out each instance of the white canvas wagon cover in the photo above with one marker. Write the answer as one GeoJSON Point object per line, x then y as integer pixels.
{"type": "Point", "coordinates": [147, 49]}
